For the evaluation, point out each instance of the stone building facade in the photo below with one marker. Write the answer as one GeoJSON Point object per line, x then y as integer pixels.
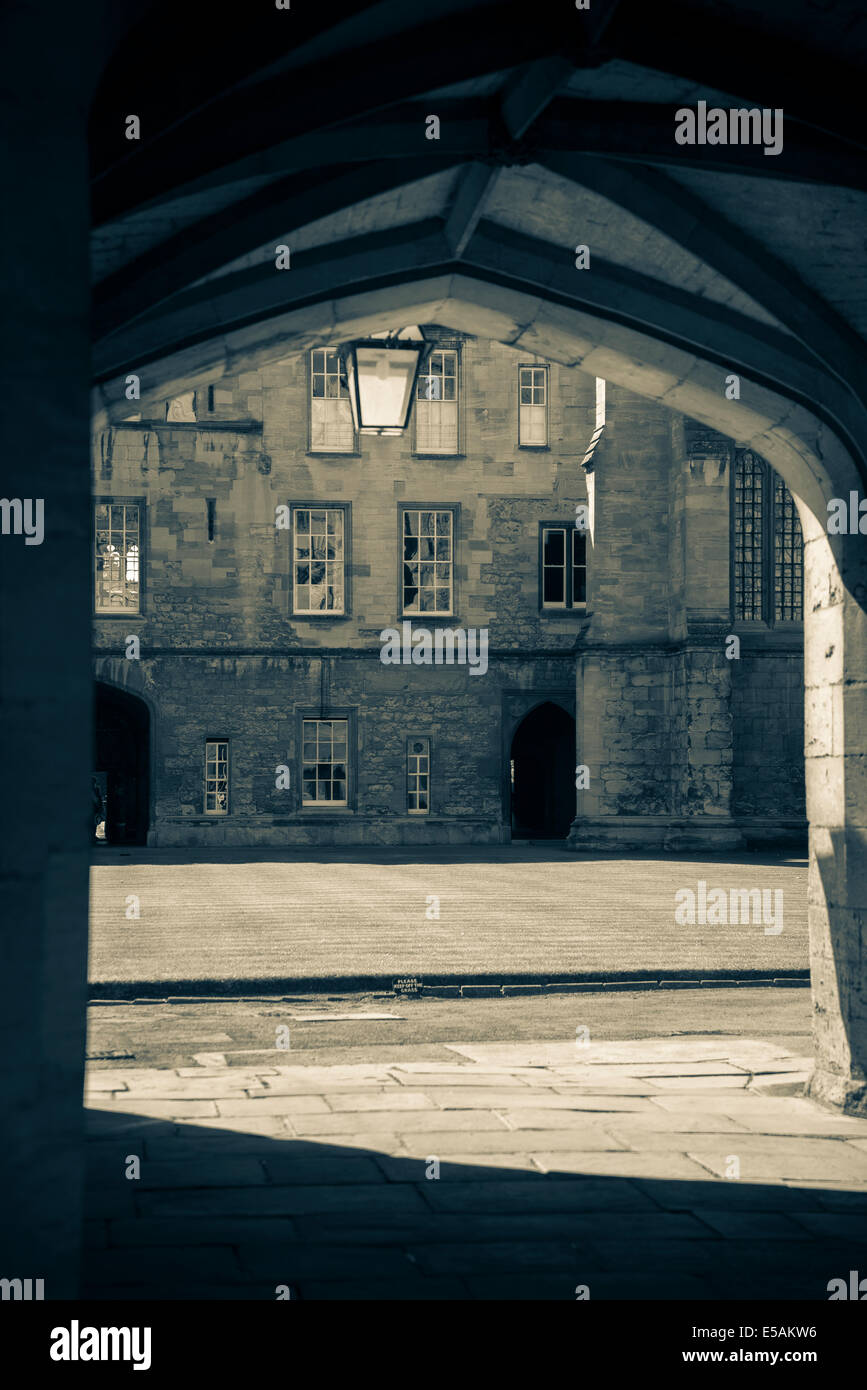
{"type": "Point", "coordinates": [250, 551]}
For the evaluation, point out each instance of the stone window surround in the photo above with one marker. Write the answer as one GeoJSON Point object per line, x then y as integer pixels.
{"type": "Point", "coordinates": [571, 609]}
{"type": "Point", "coordinates": [125, 613]}
{"type": "Point", "coordinates": [208, 742]}
{"type": "Point", "coordinates": [543, 367]}
{"type": "Point", "coordinates": [781, 628]}
{"type": "Point", "coordinates": [355, 451]}
{"type": "Point", "coordinates": [455, 508]}
{"type": "Point", "coordinates": [428, 741]}
{"type": "Point", "coordinates": [350, 714]}
{"type": "Point", "coordinates": [446, 345]}
{"type": "Point", "coordinates": [325, 615]}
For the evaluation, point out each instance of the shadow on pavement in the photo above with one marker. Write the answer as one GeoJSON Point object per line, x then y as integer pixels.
{"type": "Point", "coordinates": [221, 1214]}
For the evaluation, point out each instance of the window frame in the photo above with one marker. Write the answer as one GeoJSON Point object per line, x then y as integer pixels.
{"type": "Point", "coordinates": [544, 368]}
{"type": "Point", "coordinates": [326, 614]}
{"type": "Point", "coordinates": [768, 621]}
{"type": "Point", "coordinates": [328, 714]}
{"type": "Point", "coordinates": [426, 739]}
{"type": "Point", "coordinates": [571, 605]}
{"type": "Point", "coordinates": [125, 613]}
{"type": "Point", "coordinates": [417, 451]}
{"type": "Point", "coordinates": [418, 616]}
{"type": "Point", "coordinates": [311, 448]}
{"type": "Point", "coordinates": [209, 740]}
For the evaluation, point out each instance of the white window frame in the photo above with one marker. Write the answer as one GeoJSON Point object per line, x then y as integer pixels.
{"type": "Point", "coordinates": [418, 772]}
{"type": "Point", "coordinates": [216, 773]}
{"type": "Point", "coordinates": [120, 554]}
{"type": "Point", "coordinates": [436, 413]}
{"type": "Point", "coordinates": [436, 560]}
{"type": "Point", "coordinates": [333, 565]}
{"type": "Point", "coordinates": [337, 434]}
{"type": "Point", "coordinates": [533, 413]}
{"type": "Point", "coordinates": [321, 746]}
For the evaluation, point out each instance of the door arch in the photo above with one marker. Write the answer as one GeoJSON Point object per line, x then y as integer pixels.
{"type": "Point", "coordinates": [542, 763]}
{"type": "Point", "coordinates": [122, 763]}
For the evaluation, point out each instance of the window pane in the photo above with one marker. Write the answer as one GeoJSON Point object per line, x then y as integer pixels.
{"type": "Point", "coordinates": [324, 771]}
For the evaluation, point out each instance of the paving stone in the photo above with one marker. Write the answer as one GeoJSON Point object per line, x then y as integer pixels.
{"type": "Point", "coordinates": [99, 1123]}
{"type": "Point", "coordinates": [292, 1264]}
{"type": "Point", "coordinates": [652, 1140]}
{"type": "Point", "coordinates": [324, 1168]}
{"type": "Point", "coordinates": [715, 1194]}
{"type": "Point", "coordinates": [766, 1156]}
{"type": "Point", "coordinates": [401, 1290]}
{"type": "Point", "coordinates": [204, 1171]}
{"type": "Point", "coordinates": [623, 1164]}
{"type": "Point", "coordinates": [464, 1077]}
{"type": "Point", "coordinates": [611, 1122]}
{"type": "Point", "coordinates": [384, 1100]}
{"type": "Point", "coordinates": [398, 1122]}
{"type": "Point", "coordinates": [285, 1201]}
{"type": "Point", "coordinates": [223, 1127]}
{"type": "Point", "coordinates": [459, 1167]}
{"type": "Point", "coordinates": [603, 1285]}
{"type": "Point", "coordinates": [469, 1098]}
{"type": "Point", "coordinates": [697, 1085]}
{"type": "Point", "coordinates": [163, 1264]}
{"type": "Point", "coordinates": [157, 1109]}
{"type": "Point", "coordinates": [480, 1257]}
{"type": "Point", "coordinates": [549, 1194]}
{"type": "Point", "coordinates": [473, 1141]}
{"type": "Point", "coordinates": [256, 1106]}
{"type": "Point", "coordinates": [202, 1230]}
{"type": "Point", "coordinates": [838, 1225]}
{"type": "Point", "coordinates": [753, 1225]}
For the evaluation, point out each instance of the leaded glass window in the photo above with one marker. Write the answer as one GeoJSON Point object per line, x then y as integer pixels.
{"type": "Point", "coordinates": [767, 571]}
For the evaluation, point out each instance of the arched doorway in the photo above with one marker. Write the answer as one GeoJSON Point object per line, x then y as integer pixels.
{"type": "Point", "coordinates": [121, 762]}
{"type": "Point", "coordinates": [543, 774]}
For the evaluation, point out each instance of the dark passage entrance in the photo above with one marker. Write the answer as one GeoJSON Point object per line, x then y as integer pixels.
{"type": "Point", "coordinates": [543, 775]}
{"type": "Point", "coordinates": [122, 755]}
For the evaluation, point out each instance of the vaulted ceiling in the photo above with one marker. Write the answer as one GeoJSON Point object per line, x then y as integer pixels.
{"type": "Point", "coordinates": [308, 127]}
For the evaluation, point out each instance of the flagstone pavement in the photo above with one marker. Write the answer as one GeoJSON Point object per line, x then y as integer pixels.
{"type": "Point", "coordinates": [661, 1168]}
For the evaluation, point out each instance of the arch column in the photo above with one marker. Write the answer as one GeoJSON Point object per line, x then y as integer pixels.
{"type": "Point", "coordinates": [836, 770]}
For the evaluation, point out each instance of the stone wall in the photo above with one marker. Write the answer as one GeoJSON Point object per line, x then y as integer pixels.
{"type": "Point", "coordinates": [683, 750]}
{"type": "Point", "coordinates": [768, 727]}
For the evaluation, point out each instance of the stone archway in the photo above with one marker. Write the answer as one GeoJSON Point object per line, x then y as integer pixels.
{"type": "Point", "coordinates": [816, 465]}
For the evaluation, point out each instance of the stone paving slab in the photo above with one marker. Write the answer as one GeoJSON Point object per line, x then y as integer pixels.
{"type": "Point", "coordinates": [436, 1180]}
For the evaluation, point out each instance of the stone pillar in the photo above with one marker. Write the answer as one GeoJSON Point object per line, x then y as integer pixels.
{"type": "Point", "coordinates": [45, 680]}
{"type": "Point", "coordinates": [835, 608]}
{"type": "Point", "coordinates": [702, 739]}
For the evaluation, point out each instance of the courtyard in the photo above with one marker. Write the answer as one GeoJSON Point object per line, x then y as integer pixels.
{"type": "Point", "coordinates": [367, 917]}
{"type": "Point", "coordinates": [468, 1150]}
